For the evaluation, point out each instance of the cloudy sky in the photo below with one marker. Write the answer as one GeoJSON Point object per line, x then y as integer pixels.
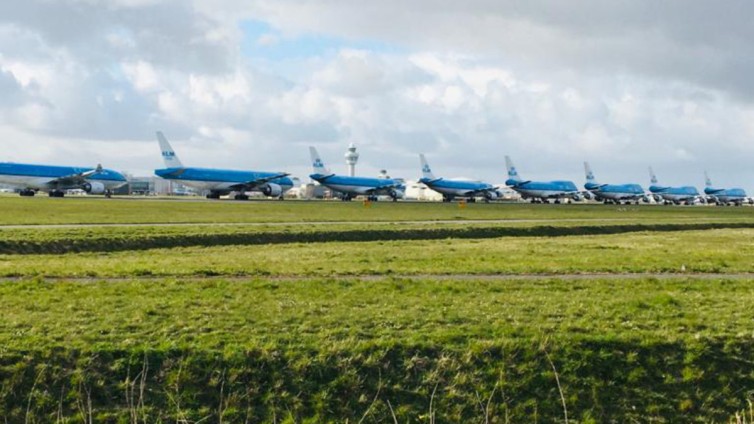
{"type": "Point", "coordinates": [624, 84]}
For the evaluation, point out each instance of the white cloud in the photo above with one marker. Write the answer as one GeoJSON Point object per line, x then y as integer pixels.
{"type": "Point", "coordinates": [623, 85]}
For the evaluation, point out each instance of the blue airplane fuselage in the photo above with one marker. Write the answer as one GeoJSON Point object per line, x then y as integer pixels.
{"type": "Point", "coordinates": [42, 177]}
{"type": "Point", "coordinates": [729, 195]}
{"type": "Point", "coordinates": [675, 194]}
{"type": "Point", "coordinates": [543, 189]}
{"type": "Point", "coordinates": [359, 185]}
{"type": "Point", "coordinates": [219, 180]}
{"type": "Point", "coordinates": [459, 188]}
{"type": "Point", "coordinates": [615, 191]}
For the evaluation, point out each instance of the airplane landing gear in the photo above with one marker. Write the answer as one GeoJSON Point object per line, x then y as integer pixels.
{"type": "Point", "coordinates": [241, 196]}
{"type": "Point", "coordinates": [213, 196]}
{"type": "Point", "coordinates": [56, 193]}
{"type": "Point", "coordinates": [108, 194]}
{"type": "Point", "coordinates": [27, 193]}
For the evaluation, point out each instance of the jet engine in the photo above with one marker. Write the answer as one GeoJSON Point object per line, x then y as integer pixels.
{"type": "Point", "coordinates": [93, 187]}
{"type": "Point", "coordinates": [492, 195]}
{"type": "Point", "coordinates": [577, 197]}
{"type": "Point", "coordinates": [645, 199]}
{"type": "Point", "coordinates": [396, 193]}
{"type": "Point", "coordinates": [658, 198]}
{"type": "Point", "coordinates": [588, 195]}
{"type": "Point", "coordinates": [272, 190]}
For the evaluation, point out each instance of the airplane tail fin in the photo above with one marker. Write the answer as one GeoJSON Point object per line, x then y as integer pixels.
{"type": "Point", "coordinates": [652, 176]}
{"type": "Point", "coordinates": [317, 164]}
{"type": "Point", "coordinates": [512, 172]}
{"type": "Point", "coordinates": [426, 170]}
{"type": "Point", "coordinates": [707, 180]}
{"type": "Point", "coordinates": [168, 154]}
{"type": "Point", "coordinates": [589, 174]}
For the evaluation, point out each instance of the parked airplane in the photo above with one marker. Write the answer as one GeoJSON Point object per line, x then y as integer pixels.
{"type": "Point", "coordinates": [725, 196]}
{"type": "Point", "coordinates": [55, 180]}
{"type": "Point", "coordinates": [672, 195]}
{"type": "Point", "coordinates": [456, 188]}
{"type": "Point", "coordinates": [350, 187]}
{"type": "Point", "coordinates": [221, 181]}
{"type": "Point", "coordinates": [538, 191]}
{"type": "Point", "coordinates": [614, 193]}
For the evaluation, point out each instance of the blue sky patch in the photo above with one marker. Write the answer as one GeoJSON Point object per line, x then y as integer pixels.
{"type": "Point", "coordinates": [283, 47]}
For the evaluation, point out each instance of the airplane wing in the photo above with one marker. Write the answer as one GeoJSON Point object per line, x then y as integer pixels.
{"type": "Point", "coordinates": [177, 173]}
{"type": "Point", "coordinates": [250, 185]}
{"type": "Point", "coordinates": [74, 179]}
{"type": "Point", "coordinates": [520, 183]}
{"type": "Point", "coordinates": [382, 188]}
{"type": "Point", "coordinates": [481, 191]}
{"type": "Point", "coordinates": [433, 181]}
{"type": "Point", "coordinates": [325, 177]}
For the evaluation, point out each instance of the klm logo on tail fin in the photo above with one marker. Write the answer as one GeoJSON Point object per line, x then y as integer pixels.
{"type": "Point", "coordinates": [590, 176]}
{"type": "Point", "coordinates": [512, 172]}
{"type": "Point", "coordinates": [168, 154]}
{"type": "Point", "coordinates": [318, 163]}
{"type": "Point", "coordinates": [426, 170]}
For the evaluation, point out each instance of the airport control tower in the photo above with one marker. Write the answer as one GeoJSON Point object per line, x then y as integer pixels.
{"type": "Point", "coordinates": [351, 158]}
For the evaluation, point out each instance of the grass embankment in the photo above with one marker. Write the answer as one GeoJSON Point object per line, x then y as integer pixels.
{"type": "Point", "coordinates": [112, 239]}
{"type": "Point", "coordinates": [322, 350]}
{"type": "Point", "coordinates": [176, 348]}
{"type": "Point", "coordinates": [718, 251]}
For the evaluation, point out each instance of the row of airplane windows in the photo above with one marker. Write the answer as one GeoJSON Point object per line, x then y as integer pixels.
{"type": "Point", "coordinates": [55, 180]}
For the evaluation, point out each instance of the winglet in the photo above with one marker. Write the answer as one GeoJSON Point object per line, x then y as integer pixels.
{"type": "Point", "coordinates": [168, 154]}
{"type": "Point", "coordinates": [512, 172]}
{"type": "Point", "coordinates": [317, 164]}
{"type": "Point", "coordinates": [426, 170]}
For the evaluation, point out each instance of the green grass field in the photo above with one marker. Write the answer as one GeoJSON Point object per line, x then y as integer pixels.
{"type": "Point", "coordinates": [44, 210]}
{"type": "Point", "coordinates": [505, 313]}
